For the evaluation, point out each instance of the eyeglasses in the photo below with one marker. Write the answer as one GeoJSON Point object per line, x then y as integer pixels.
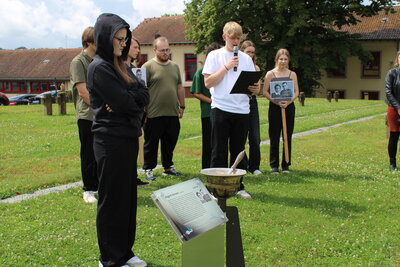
{"type": "Point", "coordinates": [122, 40]}
{"type": "Point", "coordinates": [167, 50]}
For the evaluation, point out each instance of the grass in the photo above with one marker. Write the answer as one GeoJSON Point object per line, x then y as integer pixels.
{"type": "Point", "coordinates": [338, 207]}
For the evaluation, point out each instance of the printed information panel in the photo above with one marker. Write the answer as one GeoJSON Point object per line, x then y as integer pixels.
{"type": "Point", "coordinates": [189, 208]}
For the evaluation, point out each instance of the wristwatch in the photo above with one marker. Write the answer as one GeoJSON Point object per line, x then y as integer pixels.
{"type": "Point", "coordinates": [182, 107]}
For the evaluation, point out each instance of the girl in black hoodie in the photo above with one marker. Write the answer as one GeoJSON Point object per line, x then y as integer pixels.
{"type": "Point", "coordinates": [118, 100]}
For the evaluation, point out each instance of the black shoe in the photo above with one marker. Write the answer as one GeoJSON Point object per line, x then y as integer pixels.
{"type": "Point", "coordinates": [140, 182]}
{"type": "Point", "coordinates": [285, 170]}
{"type": "Point", "coordinates": [274, 171]}
{"type": "Point", "coordinates": [392, 167]}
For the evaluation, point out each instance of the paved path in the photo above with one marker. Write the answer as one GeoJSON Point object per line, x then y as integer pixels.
{"type": "Point", "coordinates": [77, 184]}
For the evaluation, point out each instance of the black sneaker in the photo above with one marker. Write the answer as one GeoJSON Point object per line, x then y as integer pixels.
{"type": "Point", "coordinates": [171, 171]}
{"type": "Point", "coordinates": [285, 170]}
{"type": "Point", "coordinates": [392, 167]}
{"type": "Point", "coordinates": [275, 171]}
{"type": "Point", "coordinates": [140, 182]}
{"type": "Point", "coordinates": [149, 175]}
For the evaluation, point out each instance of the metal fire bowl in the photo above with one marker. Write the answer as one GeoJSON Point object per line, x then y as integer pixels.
{"type": "Point", "coordinates": [221, 183]}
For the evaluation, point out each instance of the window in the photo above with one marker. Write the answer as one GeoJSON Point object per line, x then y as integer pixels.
{"type": "Point", "coordinates": [190, 66]}
{"type": "Point", "coordinates": [372, 68]}
{"type": "Point", "coordinates": [34, 87]}
{"type": "Point", "coordinates": [370, 95]}
{"type": "Point", "coordinates": [143, 59]}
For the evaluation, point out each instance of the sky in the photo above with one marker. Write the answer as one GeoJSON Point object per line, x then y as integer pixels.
{"type": "Point", "coordinates": [60, 23]}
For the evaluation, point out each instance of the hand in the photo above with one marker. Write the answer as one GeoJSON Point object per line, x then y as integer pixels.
{"type": "Point", "coordinates": [180, 115]}
{"type": "Point", "coordinates": [233, 62]}
{"type": "Point", "coordinates": [254, 89]}
{"type": "Point", "coordinates": [283, 104]}
{"type": "Point", "coordinates": [108, 108]}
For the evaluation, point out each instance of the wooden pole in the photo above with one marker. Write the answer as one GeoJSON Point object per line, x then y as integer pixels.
{"type": "Point", "coordinates": [285, 139]}
{"type": "Point", "coordinates": [141, 150]}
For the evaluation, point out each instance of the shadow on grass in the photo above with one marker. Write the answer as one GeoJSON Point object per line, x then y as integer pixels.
{"type": "Point", "coordinates": [157, 265]}
{"type": "Point", "coordinates": [341, 209]}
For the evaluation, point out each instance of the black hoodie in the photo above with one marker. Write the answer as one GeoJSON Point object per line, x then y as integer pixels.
{"type": "Point", "coordinates": [107, 87]}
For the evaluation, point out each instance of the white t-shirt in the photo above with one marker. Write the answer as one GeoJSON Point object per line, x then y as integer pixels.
{"type": "Point", "coordinates": [220, 93]}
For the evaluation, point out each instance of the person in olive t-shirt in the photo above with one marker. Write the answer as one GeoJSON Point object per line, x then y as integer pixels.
{"type": "Point", "coordinates": [78, 76]}
{"type": "Point", "coordinates": [201, 92]}
{"type": "Point", "coordinates": [167, 103]}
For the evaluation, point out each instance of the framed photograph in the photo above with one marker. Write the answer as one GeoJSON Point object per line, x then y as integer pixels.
{"type": "Point", "coordinates": [281, 89]}
{"type": "Point", "coordinates": [140, 73]}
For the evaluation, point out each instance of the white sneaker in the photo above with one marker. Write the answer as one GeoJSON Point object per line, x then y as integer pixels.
{"type": "Point", "coordinates": [136, 262]}
{"type": "Point", "coordinates": [89, 197]}
{"type": "Point", "coordinates": [257, 172]}
{"type": "Point", "coordinates": [243, 194]}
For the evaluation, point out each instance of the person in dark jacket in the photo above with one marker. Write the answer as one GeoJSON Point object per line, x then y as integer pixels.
{"type": "Point", "coordinates": [392, 91]}
{"type": "Point", "coordinates": [117, 99]}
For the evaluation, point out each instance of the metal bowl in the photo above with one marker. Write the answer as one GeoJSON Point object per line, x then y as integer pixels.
{"type": "Point", "coordinates": [221, 182]}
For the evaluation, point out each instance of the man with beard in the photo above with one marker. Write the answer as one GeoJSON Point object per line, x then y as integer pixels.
{"type": "Point", "coordinates": [166, 107]}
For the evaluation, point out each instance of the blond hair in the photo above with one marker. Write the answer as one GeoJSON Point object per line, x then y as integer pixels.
{"type": "Point", "coordinates": [396, 60]}
{"type": "Point", "coordinates": [233, 29]}
{"type": "Point", "coordinates": [159, 39]}
{"type": "Point", "coordinates": [282, 51]}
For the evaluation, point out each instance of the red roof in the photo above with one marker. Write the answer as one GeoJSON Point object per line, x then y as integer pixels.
{"type": "Point", "coordinates": [173, 28]}
{"type": "Point", "coordinates": [380, 27]}
{"type": "Point", "coordinates": [36, 64]}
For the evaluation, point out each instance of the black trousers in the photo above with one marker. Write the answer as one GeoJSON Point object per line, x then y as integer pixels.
{"type": "Point", "coordinates": [275, 130]}
{"type": "Point", "coordinates": [88, 162]}
{"type": "Point", "coordinates": [392, 146]}
{"type": "Point", "coordinates": [254, 136]}
{"type": "Point", "coordinates": [206, 142]}
{"type": "Point", "coordinates": [165, 129]}
{"type": "Point", "coordinates": [116, 212]}
{"type": "Point", "coordinates": [228, 131]}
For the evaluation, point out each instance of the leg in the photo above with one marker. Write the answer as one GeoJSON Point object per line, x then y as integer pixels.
{"type": "Point", "coordinates": [254, 137]}
{"type": "Point", "coordinates": [206, 143]}
{"type": "Point", "coordinates": [219, 138]}
{"type": "Point", "coordinates": [290, 115]}
{"type": "Point", "coordinates": [392, 148]}
{"type": "Point", "coordinates": [152, 133]}
{"type": "Point", "coordinates": [274, 130]}
{"type": "Point", "coordinates": [116, 214]}
{"type": "Point", "coordinates": [88, 161]}
{"type": "Point", "coordinates": [169, 139]}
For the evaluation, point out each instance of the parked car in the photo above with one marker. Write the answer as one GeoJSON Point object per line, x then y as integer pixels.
{"type": "Point", "coordinates": [4, 101]}
{"type": "Point", "coordinates": [38, 98]}
{"type": "Point", "coordinates": [22, 100]}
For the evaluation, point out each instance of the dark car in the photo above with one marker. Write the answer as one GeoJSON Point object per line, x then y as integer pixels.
{"type": "Point", "coordinates": [22, 100]}
{"type": "Point", "coordinates": [4, 100]}
{"type": "Point", "coordinates": [38, 98]}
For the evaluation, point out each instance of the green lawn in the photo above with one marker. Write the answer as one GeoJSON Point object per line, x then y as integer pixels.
{"type": "Point", "coordinates": [340, 206]}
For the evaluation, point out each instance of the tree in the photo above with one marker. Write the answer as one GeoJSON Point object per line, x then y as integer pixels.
{"type": "Point", "coordinates": [307, 28]}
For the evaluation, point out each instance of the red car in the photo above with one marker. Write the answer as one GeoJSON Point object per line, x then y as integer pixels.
{"type": "Point", "coordinates": [4, 100]}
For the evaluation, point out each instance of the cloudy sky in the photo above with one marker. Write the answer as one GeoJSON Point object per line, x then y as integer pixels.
{"type": "Point", "coordinates": [59, 23]}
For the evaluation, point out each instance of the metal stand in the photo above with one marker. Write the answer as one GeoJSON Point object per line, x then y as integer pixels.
{"type": "Point", "coordinates": [234, 246]}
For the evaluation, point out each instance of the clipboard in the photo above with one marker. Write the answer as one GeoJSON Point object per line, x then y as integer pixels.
{"type": "Point", "coordinates": [245, 79]}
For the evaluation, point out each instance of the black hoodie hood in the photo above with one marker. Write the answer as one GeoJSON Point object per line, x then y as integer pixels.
{"type": "Point", "coordinates": [104, 31]}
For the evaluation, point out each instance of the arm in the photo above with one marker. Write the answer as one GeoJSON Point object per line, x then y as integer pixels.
{"type": "Point", "coordinates": [210, 80]}
{"type": "Point", "coordinates": [202, 97]}
{"type": "Point", "coordinates": [390, 77]}
{"type": "Point", "coordinates": [181, 98]}
{"type": "Point", "coordinates": [83, 92]}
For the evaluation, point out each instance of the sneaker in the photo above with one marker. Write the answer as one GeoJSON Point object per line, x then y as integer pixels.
{"type": "Point", "coordinates": [171, 171]}
{"type": "Point", "coordinates": [136, 262]}
{"type": "Point", "coordinates": [125, 265]}
{"type": "Point", "coordinates": [140, 182]}
{"type": "Point", "coordinates": [275, 171]}
{"type": "Point", "coordinates": [257, 172]}
{"type": "Point", "coordinates": [392, 167]}
{"type": "Point", "coordinates": [149, 175]}
{"type": "Point", "coordinates": [89, 197]}
{"type": "Point", "coordinates": [285, 170]}
{"type": "Point", "coordinates": [243, 194]}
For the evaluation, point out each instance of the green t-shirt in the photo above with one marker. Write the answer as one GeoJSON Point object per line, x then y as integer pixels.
{"type": "Point", "coordinates": [162, 82]}
{"type": "Point", "coordinates": [198, 87]}
{"type": "Point", "coordinates": [78, 74]}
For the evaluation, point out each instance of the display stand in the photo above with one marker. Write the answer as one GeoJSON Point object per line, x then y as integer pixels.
{"type": "Point", "coordinates": [205, 250]}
